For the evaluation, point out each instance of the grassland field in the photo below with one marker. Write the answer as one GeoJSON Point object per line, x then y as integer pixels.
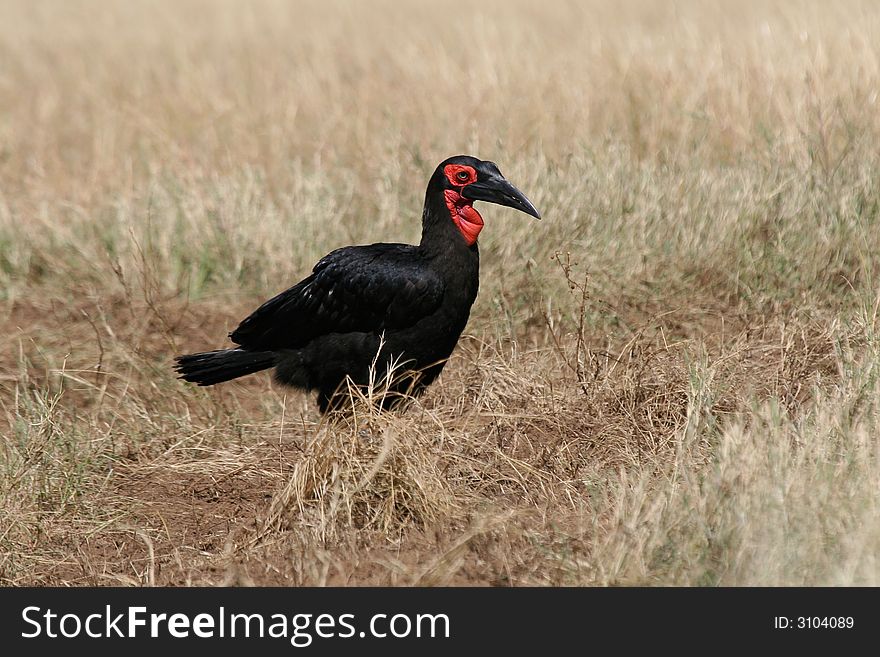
{"type": "Point", "coordinates": [670, 380]}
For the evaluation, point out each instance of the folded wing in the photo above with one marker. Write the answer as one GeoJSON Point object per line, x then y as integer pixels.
{"type": "Point", "coordinates": [358, 288]}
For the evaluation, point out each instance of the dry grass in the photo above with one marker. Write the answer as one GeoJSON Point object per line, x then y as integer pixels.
{"type": "Point", "coordinates": [672, 379]}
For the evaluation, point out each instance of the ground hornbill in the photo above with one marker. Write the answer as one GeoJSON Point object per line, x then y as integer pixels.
{"type": "Point", "coordinates": [366, 311]}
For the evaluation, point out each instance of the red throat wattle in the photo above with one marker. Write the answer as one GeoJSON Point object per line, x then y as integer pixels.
{"type": "Point", "coordinates": [464, 216]}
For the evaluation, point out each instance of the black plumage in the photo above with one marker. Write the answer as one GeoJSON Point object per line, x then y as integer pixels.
{"type": "Point", "coordinates": [365, 311]}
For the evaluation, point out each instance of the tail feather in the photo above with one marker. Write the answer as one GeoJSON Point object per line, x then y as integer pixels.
{"type": "Point", "coordinates": [210, 367]}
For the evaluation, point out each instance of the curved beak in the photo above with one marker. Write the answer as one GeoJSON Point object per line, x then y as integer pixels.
{"type": "Point", "coordinates": [498, 190]}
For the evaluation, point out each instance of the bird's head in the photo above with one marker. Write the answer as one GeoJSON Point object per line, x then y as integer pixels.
{"type": "Point", "coordinates": [463, 179]}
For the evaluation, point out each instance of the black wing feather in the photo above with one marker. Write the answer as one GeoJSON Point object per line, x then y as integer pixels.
{"type": "Point", "coordinates": [356, 288]}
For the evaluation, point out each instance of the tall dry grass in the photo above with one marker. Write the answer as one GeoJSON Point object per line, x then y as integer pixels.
{"type": "Point", "coordinates": [672, 379]}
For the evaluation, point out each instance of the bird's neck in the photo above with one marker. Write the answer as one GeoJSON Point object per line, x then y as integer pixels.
{"type": "Point", "coordinates": [449, 221]}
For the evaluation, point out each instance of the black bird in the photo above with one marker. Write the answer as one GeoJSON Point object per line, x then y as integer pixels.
{"type": "Point", "coordinates": [383, 307]}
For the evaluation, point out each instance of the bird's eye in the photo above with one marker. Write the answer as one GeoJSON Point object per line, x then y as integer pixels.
{"type": "Point", "coordinates": [463, 176]}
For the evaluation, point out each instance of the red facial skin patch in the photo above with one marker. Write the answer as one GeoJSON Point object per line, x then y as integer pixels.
{"type": "Point", "coordinates": [460, 174]}
{"type": "Point", "coordinates": [466, 219]}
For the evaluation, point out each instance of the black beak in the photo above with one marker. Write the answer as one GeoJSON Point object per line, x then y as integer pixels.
{"type": "Point", "coordinates": [498, 190]}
